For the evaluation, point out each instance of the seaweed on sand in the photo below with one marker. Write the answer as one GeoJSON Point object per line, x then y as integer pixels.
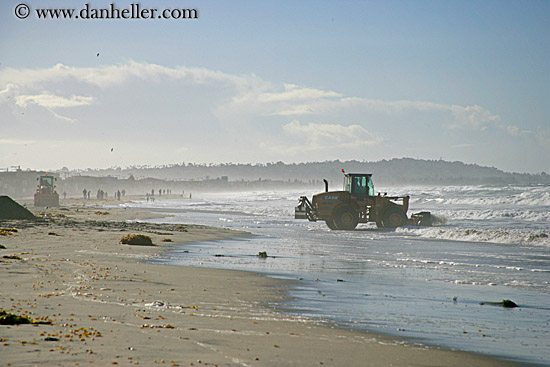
{"type": "Point", "coordinates": [137, 239]}
{"type": "Point", "coordinates": [7, 318]}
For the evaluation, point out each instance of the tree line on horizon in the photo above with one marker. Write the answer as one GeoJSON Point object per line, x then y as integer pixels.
{"type": "Point", "coordinates": [397, 171]}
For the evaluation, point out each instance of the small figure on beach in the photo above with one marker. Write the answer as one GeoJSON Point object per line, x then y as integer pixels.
{"type": "Point", "coordinates": [84, 193]}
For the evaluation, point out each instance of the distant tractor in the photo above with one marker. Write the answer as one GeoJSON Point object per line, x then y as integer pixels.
{"type": "Point", "coordinates": [357, 203]}
{"type": "Point", "coordinates": [45, 194]}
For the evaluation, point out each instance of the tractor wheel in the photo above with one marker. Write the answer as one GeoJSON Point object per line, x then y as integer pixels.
{"type": "Point", "coordinates": [331, 225]}
{"type": "Point", "coordinates": [394, 217]}
{"type": "Point", "coordinates": [346, 219]}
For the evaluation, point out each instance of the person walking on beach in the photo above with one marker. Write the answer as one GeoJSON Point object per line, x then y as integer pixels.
{"type": "Point", "coordinates": [84, 192]}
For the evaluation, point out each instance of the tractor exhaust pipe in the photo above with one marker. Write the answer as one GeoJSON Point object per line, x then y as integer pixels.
{"type": "Point", "coordinates": [326, 185]}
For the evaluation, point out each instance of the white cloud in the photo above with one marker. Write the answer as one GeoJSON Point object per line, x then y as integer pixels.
{"type": "Point", "coordinates": [256, 97]}
{"type": "Point", "coordinates": [111, 75]}
{"type": "Point", "coordinates": [294, 93]}
{"type": "Point", "coordinates": [199, 112]}
{"type": "Point", "coordinates": [453, 116]}
{"type": "Point", "coordinates": [516, 131]}
{"type": "Point", "coordinates": [512, 130]}
{"type": "Point", "coordinates": [465, 145]}
{"type": "Point", "coordinates": [53, 101]}
{"type": "Point", "coordinates": [474, 117]}
{"type": "Point", "coordinates": [16, 142]}
{"type": "Point", "coordinates": [247, 96]}
{"type": "Point", "coordinates": [322, 137]}
{"type": "Point", "coordinates": [67, 87]}
{"type": "Point", "coordinates": [330, 133]}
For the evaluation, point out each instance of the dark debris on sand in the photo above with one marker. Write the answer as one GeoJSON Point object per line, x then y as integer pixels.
{"type": "Point", "coordinates": [154, 228]}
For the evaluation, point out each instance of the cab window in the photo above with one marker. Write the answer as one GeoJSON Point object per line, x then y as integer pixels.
{"type": "Point", "coordinates": [47, 181]}
{"type": "Point", "coordinates": [347, 186]}
{"type": "Point", "coordinates": [360, 185]}
{"type": "Point", "coordinates": [371, 188]}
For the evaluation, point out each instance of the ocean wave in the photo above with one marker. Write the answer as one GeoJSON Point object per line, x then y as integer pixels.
{"type": "Point", "coordinates": [481, 196]}
{"type": "Point", "coordinates": [501, 236]}
{"type": "Point", "coordinates": [539, 215]}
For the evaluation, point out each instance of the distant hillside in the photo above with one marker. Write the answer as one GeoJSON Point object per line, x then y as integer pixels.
{"type": "Point", "coordinates": [402, 171]}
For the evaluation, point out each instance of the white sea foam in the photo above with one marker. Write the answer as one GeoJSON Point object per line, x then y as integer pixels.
{"type": "Point", "coordinates": [479, 196]}
{"type": "Point", "coordinates": [540, 215]}
{"type": "Point", "coordinates": [496, 235]}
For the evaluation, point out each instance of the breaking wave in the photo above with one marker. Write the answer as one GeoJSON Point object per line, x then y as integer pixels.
{"type": "Point", "coordinates": [494, 235]}
{"type": "Point", "coordinates": [478, 196]}
{"type": "Point", "coordinates": [535, 215]}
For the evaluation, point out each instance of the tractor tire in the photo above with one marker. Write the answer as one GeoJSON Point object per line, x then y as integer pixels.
{"type": "Point", "coordinates": [346, 219]}
{"type": "Point", "coordinates": [394, 217]}
{"type": "Point", "coordinates": [331, 225]}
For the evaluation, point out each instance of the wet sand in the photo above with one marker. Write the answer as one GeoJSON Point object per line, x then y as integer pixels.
{"type": "Point", "coordinates": [108, 307]}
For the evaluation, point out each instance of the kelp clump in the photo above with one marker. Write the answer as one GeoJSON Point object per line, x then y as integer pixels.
{"type": "Point", "coordinates": [137, 239]}
{"type": "Point", "coordinates": [7, 318]}
{"type": "Point", "coordinates": [7, 231]}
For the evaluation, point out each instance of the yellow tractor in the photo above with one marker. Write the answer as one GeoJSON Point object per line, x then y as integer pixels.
{"type": "Point", "coordinates": [357, 203]}
{"type": "Point", "coordinates": [45, 194]}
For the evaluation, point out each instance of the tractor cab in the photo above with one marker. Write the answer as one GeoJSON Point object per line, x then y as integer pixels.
{"type": "Point", "coordinates": [46, 183]}
{"type": "Point", "coordinates": [359, 184]}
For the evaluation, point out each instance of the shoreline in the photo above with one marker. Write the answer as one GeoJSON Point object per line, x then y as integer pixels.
{"type": "Point", "coordinates": [108, 305]}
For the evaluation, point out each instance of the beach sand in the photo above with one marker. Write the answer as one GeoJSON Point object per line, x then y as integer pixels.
{"type": "Point", "coordinates": [109, 307]}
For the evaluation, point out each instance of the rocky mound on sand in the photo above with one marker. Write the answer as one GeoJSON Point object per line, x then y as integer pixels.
{"type": "Point", "coordinates": [9, 209]}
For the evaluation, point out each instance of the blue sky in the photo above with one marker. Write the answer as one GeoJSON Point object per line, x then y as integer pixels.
{"type": "Point", "coordinates": [252, 81]}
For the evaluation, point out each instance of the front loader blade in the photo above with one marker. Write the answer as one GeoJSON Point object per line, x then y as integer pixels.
{"type": "Point", "coordinates": [421, 219]}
